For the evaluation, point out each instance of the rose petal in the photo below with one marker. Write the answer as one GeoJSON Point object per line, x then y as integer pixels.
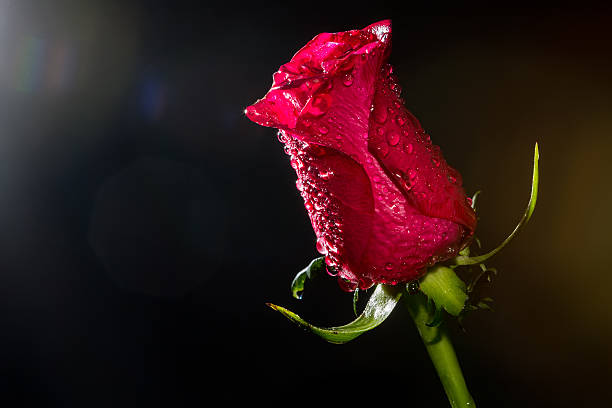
{"type": "Point", "coordinates": [338, 198]}
{"type": "Point", "coordinates": [323, 95]}
{"type": "Point", "coordinates": [417, 167]}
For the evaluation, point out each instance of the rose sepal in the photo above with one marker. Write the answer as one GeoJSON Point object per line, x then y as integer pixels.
{"type": "Point", "coordinates": [446, 290]}
{"type": "Point", "coordinates": [467, 260]}
{"type": "Point", "coordinates": [379, 307]}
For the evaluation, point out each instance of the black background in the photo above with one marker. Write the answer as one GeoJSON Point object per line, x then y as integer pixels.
{"type": "Point", "coordinates": [144, 221]}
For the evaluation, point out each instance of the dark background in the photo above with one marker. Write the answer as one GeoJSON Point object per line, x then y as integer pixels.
{"type": "Point", "coordinates": [144, 221]}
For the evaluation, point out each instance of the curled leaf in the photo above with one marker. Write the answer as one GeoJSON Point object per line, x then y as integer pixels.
{"type": "Point", "coordinates": [297, 286]}
{"type": "Point", "coordinates": [379, 307]}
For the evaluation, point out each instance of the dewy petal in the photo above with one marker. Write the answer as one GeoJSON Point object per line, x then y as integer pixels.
{"type": "Point", "coordinates": [338, 197]}
{"type": "Point", "coordinates": [416, 166]}
{"type": "Point", "coordinates": [382, 201]}
{"type": "Point", "coordinates": [324, 93]}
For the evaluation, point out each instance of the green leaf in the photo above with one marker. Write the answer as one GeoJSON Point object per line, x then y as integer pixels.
{"type": "Point", "coordinates": [466, 260]}
{"type": "Point", "coordinates": [445, 288]}
{"type": "Point", "coordinates": [355, 299]}
{"type": "Point", "coordinates": [297, 286]}
{"type": "Point", "coordinates": [379, 307]}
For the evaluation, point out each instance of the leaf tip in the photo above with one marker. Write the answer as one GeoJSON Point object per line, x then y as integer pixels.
{"type": "Point", "coordinates": [289, 314]}
{"type": "Point", "coordinates": [272, 306]}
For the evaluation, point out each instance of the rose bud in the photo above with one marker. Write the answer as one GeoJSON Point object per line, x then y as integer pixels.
{"type": "Point", "coordinates": [383, 202]}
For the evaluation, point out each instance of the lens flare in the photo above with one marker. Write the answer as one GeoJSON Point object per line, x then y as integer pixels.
{"type": "Point", "coordinates": [152, 98]}
{"type": "Point", "coordinates": [43, 65]}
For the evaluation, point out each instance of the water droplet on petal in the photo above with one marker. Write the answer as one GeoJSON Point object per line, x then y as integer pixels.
{"type": "Point", "coordinates": [331, 271]}
{"type": "Point", "coordinates": [380, 115]}
{"type": "Point", "coordinates": [347, 80]}
{"type": "Point", "coordinates": [400, 120]}
{"type": "Point", "coordinates": [323, 129]}
{"type": "Point", "coordinates": [325, 174]}
{"type": "Point", "coordinates": [410, 181]}
{"type": "Point", "coordinates": [319, 105]}
{"type": "Point", "coordinates": [331, 264]}
{"type": "Point", "coordinates": [409, 148]}
{"type": "Point", "coordinates": [321, 246]}
{"type": "Point", "coordinates": [383, 148]}
{"type": "Point", "coordinates": [393, 138]}
{"type": "Point", "coordinates": [389, 266]}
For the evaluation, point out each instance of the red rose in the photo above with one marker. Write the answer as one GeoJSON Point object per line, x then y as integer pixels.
{"type": "Point", "coordinates": [383, 202]}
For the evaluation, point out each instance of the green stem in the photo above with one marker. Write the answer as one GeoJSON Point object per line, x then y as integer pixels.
{"type": "Point", "coordinates": [440, 349]}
